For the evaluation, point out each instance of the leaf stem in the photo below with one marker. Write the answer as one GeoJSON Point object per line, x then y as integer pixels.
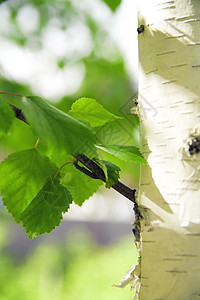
{"type": "Point", "coordinates": [92, 169]}
{"type": "Point", "coordinates": [69, 162]}
{"type": "Point", "coordinates": [12, 94]}
{"type": "Point", "coordinates": [36, 144]}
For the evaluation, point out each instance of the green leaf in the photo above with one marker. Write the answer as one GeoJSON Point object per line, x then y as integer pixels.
{"type": "Point", "coordinates": [22, 176]}
{"type": "Point", "coordinates": [113, 173]}
{"type": "Point", "coordinates": [7, 116]}
{"type": "Point", "coordinates": [113, 4]}
{"type": "Point", "coordinates": [79, 184]}
{"type": "Point", "coordinates": [124, 152]}
{"type": "Point", "coordinates": [102, 165]}
{"type": "Point", "coordinates": [56, 128]}
{"type": "Point", "coordinates": [90, 110]}
{"type": "Point", "coordinates": [45, 210]}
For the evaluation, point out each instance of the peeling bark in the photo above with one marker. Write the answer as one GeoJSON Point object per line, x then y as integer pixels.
{"type": "Point", "coordinates": [169, 106]}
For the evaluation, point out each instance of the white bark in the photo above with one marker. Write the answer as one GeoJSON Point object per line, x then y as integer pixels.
{"type": "Point", "coordinates": [169, 103]}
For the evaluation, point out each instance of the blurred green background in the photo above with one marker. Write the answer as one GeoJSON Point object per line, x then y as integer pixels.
{"type": "Point", "coordinates": [61, 51]}
{"type": "Point", "coordinates": [66, 264]}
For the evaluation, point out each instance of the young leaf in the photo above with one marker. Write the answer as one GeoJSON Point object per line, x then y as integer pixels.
{"type": "Point", "coordinates": [80, 185]}
{"type": "Point", "coordinates": [22, 176]}
{"type": "Point", "coordinates": [90, 110]}
{"type": "Point", "coordinates": [45, 210]}
{"type": "Point", "coordinates": [56, 128]}
{"type": "Point", "coordinates": [102, 165]}
{"type": "Point", "coordinates": [113, 173]}
{"type": "Point", "coordinates": [6, 116]}
{"type": "Point", "coordinates": [124, 152]}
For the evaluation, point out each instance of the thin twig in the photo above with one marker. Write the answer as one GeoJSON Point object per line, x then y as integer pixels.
{"type": "Point", "coordinates": [98, 173]}
{"type": "Point", "coordinates": [12, 94]}
{"type": "Point", "coordinates": [92, 169]}
{"type": "Point", "coordinates": [85, 171]}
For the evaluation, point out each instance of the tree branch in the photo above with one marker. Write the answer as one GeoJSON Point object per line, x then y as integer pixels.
{"type": "Point", "coordinates": [92, 169]}
{"type": "Point", "coordinates": [98, 173]}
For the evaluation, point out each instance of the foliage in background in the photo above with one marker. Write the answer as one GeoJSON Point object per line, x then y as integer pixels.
{"type": "Point", "coordinates": [105, 79]}
{"type": "Point", "coordinates": [57, 270]}
{"type": "Point", "coordinates": [31, 184]}
{"type": "Point", "coordinates": [73, 268]}
{"type": "Point", "coordinates": [113, 4]}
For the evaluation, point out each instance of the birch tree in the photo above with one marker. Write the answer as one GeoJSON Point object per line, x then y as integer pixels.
{"type": "Point", "coordinates": [169, 108]}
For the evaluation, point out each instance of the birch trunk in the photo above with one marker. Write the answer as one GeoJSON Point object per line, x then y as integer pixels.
{"type": "Point", "coordinates": [169, 106]}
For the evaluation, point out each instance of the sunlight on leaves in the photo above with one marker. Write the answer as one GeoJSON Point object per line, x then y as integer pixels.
{"type": "Point", "coordinates": [45, 210]}
{"type": "Point", "coordinates": [22, 176]}
{"type": "Point", "coordinates": [124, 152]}
{"type": "Point", "coordinates": [56, 128]}
{"type": "Point", "coordinates": [7, 116]}
{"type": "Point", "coordinates": [113, 173]}
{"type": "Point", "coordinates": [90, 110]}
